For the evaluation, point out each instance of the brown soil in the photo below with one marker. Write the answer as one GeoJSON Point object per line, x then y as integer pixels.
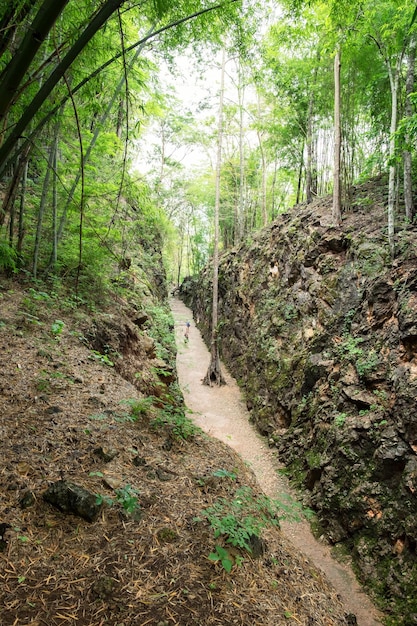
{"type": "Point", "coordinates": [221, 412]}
{"type": "Point", "coordinates": [63, 405]}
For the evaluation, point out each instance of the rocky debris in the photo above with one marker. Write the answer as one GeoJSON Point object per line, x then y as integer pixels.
{"type": "Point", "coordinates": [71, 498]}
{"type": "Point", "coordinates": [103, 588]}
{"type": "Point", "coordinates": [140, 318]}
{"type": "Point", "coordinates": [4, 526]}
{"type": "Point", "coordinates": [320, 330]}
{"type": "Point", "coordinates": [27, 499]}
{"type": "Point", "coordinates": [106, 454]}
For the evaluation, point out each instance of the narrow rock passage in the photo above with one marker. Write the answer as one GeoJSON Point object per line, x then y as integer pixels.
{"type": "Point", "coordinates": [221, 413]}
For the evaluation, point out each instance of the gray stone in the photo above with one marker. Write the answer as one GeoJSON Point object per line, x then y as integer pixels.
{"type": "Point", "coordinates": [71, 498]}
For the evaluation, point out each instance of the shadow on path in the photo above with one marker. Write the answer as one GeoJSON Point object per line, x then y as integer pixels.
{"type": "Point", "coordinates": [221, 412]}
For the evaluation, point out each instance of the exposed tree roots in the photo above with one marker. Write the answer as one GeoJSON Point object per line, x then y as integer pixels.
{"type": "Point", "coordinates": [214, 374]}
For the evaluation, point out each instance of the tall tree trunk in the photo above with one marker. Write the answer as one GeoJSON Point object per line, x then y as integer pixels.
{"type": "Point", "coordinates": [42, 204]}
{"type": "Point", "coordinates": [309, 147]}
{"type": "Point", "coordinates": [54, 253]}
{"type": "Point", "coordinates": [264, 210]}
{"type": "Point", "coordinates": [180, 255]}
{"type": "Point", "coordinates": [337, 196]}
{"type": "Point", "coordinates": [408, 112]}
{"type": "Point", "coordinates": [214, 374]}
{"type": "Point", "coordinates": [21, 230]}
{"type": "Point", "coordinates": [273, 186]}
{"type": "Point", "coordinates": [300, 176]}
{"type": "Point", "coordinates": [20, 62]}
{"type": "Point", "coordinates": [240, 223]}
{"type": "Point", "coordinates": [394, 78]}
{"type": "Point", "coordinates": [56, 75]}
{"type": "Point", "coordinates": [264, 204]}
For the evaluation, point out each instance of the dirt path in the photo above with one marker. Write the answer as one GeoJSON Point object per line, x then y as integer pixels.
{"type": "Point", "coordinates": [222, 413]}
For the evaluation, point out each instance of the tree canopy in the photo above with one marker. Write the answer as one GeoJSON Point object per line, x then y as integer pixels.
{"type": "Point", "coordinates": [86, 90]}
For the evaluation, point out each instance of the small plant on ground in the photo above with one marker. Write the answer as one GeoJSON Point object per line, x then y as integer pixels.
{"type": "Point", "coordinates": [222, 556]}
{"type": "Point", "coordinates": [243, 518]}
{"type": "Point", "coordinates": [172, 414]}
{"type": "Point", "coordinates": [127, 497]}
{"type": "Point", "coordinates": [57, 328]}
{"type": "Point", "coordinates": [139, 407]}
{"type": "Point", "coordinates": [103, 358]}
{"type": "Point", "coordinates": [43, 382]}
{"type": "Point", "coordinates": [223, 473]}
{"type": "Point", "coordinates": [340, 419]}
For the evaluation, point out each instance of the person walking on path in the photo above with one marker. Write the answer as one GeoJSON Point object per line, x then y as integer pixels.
{"type": "Point", "coordinates": [187, 332]}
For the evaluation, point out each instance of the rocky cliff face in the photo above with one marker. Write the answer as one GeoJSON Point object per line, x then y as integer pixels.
{"type": "Point", "coordinates": [320, 329]}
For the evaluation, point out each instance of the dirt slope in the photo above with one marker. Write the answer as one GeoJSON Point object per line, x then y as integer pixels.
{"type": "Point", "coordinates": [69, 417]}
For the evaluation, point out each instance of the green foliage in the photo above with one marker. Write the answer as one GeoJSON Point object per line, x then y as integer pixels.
{"type": "Point", "coordinates": [223, 473]}
{"type": "Point", "coordinates": [349, 349]}
{"type": "Point", "coordinates": [127, 497]}
{"type": "Point", "coordinates": [290, 312]}
{"type": "Point", "coordinates": [140, 406]}
{"type": "Point", "coordinates": [43, 383]}
{"type": "Point", "coordinates": [244, 517]}
{"type": "Point", "coordinates": [8, 257]}
{"type": "Point", "coordinates": [102, 358]}
{"type": "Point", "coordinates": [173, 417]}
{"type": "Point", "coordinates": [340, 419]}
{"type": "Point", "coordinates": [167, 412]}
{"type": "Point", "coordinates": [160, 329]}
{"type": "Point", "coordinates": [365, 362]}
{"type": "Point", "coordinates": [57, 328]}
{"type": "Point", "coordinates": [313, 459]}
{"type": "Point", "coordinates": [348, 321]}
{"type": "Point", "coordinates": [100, 499]}
{"type": "Point", "coordinates": [41, 296]}
{"type": "Point", "coordinates": [223, 556]}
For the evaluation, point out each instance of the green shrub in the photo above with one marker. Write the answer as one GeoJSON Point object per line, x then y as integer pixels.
{"type": "Point", "coordinates": [244, 517]}
{"type": "Point", "coordinates": [8, 257]}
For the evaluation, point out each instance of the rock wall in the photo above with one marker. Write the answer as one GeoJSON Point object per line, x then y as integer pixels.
{"type": "Point", "coordinates": [319, 327]}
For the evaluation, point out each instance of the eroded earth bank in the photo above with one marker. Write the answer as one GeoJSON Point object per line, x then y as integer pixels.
{"type": "Point", "coordinates": [109, 493]}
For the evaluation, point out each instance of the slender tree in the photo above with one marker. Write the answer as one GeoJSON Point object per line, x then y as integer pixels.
{"type": "Point", "coordinates": [389, 26]}
{"type": "Point", "coordinates": [240, 209]}
{"type": "Point", "coordinates": [13, 74]}
{"type": "Point", "coordinates": [337, 196]}
{"type": "Point", "coordinates": [214, 374]}
{"type": "Point", "coordinates": [408, 112]}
